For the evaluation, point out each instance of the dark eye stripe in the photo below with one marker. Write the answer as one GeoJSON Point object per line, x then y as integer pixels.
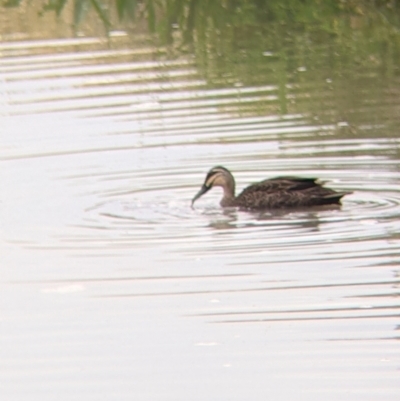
{"type": "Point", "coordinates": [211, 174]}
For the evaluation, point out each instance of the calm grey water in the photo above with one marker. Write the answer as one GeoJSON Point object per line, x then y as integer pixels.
{"type": "Point", "coordinates": [112, 287]}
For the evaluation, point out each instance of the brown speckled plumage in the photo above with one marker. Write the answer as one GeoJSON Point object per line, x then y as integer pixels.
{"type": "Point", "coordinates": [274, 193]}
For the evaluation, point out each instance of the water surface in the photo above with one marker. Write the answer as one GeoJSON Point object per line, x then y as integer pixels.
{"type": "Point", "coordinates": [113, 287]}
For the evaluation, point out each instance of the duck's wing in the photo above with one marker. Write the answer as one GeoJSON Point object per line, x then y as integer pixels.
{"type": "Point", "coordinates": [284, 183]}
{"type": "Point", "coordinates": [283, 192]}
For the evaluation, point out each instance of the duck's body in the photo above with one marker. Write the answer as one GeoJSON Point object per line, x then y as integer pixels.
{"type": "Point", "coordinates": [274, 193]}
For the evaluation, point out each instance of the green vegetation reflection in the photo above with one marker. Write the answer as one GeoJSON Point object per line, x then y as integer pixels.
{"type": "Point", "coordinates": [322, 56]}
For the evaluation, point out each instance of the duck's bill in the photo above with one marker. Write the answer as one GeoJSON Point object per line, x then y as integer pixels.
{"type": "Point", "coordinates": [202, 191]}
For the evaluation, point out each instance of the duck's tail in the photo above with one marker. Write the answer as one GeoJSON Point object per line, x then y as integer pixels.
{"type": "Point", "coordinates": [333, 198]}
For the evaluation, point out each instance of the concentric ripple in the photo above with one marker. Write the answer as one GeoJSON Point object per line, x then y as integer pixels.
{"type": "Point", "coordinates": [162, 216]}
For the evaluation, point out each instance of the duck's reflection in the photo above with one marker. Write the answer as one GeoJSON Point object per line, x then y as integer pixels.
{"type": "Point", "coordinates": [232, 218]}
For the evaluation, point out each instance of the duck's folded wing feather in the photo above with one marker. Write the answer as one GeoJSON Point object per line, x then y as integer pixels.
{"type": "Point", "coordinates": [279, 184]}
{"type": "Point", "coordinates": [287, 192]}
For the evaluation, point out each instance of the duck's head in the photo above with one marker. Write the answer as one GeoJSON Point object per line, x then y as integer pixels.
{"type": "Point", "coordinates": [217, 177]}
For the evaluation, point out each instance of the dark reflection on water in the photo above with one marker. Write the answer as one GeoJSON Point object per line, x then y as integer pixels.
{"type": "Point", "coordinates": [112, 276]}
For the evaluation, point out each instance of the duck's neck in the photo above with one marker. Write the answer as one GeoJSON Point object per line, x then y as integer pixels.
{"type": "Point", "coordinates": [229, 195]}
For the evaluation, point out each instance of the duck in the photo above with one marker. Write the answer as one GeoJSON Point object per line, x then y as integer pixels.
{"type": "Point", "coordinates": [274, 193]}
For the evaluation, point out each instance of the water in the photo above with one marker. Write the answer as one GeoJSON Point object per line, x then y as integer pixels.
{"type": "Point", "coordinates": [114, 288]}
